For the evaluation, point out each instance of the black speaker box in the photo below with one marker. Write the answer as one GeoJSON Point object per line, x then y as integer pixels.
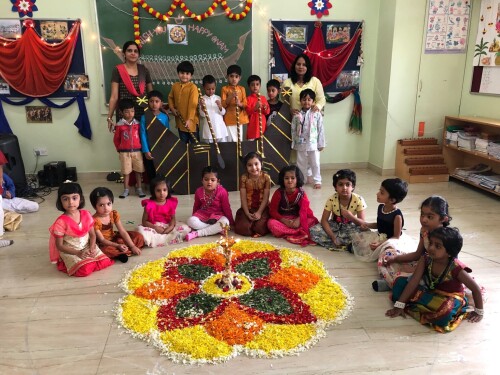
{"type": "Point", "coordinates": [9, 145]}
{"type": "Point", "coordinates": [71, 174]}
{"type": "Point", "coordinates": [54, 173]}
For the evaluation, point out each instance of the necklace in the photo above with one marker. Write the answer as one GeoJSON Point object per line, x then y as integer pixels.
{"type": "Point", "coordinates": [387, 213]}
{"type": "Point", "coordinates": [346, 206]}
{"type": "Point", "coordinates": [435, 281]}
{"type": "Point", "coordinates": [208, 199]}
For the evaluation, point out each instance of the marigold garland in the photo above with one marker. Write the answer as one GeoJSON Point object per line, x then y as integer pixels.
{"type": "Point", "coordinates": [286, 300]}
{"type": "Point", "coordinates": [187, 12]}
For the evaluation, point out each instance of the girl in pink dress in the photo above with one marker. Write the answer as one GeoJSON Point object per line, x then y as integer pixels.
{"type": "Point", "coordinates": [72, 244]}
{"type": "Point", "coordinates": [159, 226]}
{"type": "Point", "coordinates": [211, 206]}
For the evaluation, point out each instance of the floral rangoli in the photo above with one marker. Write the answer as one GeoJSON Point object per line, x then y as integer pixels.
{"type": "Point", "coordinates": [281, 302]}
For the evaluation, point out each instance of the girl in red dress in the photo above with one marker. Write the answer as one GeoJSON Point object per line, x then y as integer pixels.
{"type": "Point", "coordinates": [290, 213]}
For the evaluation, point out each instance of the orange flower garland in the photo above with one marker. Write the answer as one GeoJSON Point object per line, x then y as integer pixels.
{"type": "Point", "coordinates": [287, 301]}
{"type": "Point", "coordinates": [187, 12]}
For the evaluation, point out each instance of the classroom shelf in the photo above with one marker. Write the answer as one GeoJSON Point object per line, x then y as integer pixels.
{"type": "Point", "coordinates": [456, 157]}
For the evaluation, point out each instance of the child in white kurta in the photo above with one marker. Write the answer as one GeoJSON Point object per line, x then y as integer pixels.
{"type": "Point", "coordinates": [308, 136]}
{"type": "Point", "coordinates": [215, 112]}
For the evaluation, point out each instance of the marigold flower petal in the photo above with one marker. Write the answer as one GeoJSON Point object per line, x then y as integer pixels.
{"type": "Point", "coordinates": [196, 343]}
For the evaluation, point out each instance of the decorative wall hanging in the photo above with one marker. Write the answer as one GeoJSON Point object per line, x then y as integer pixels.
{"type": "Point", "coordinates": [338, 68]}
{"type": "Point", "coordinates": [37, 67]}
{"type": "Point", "coordinates": [25, 8]}
{"type": "Point", "coordinates": [82, 122]}
{"type": "Point", "coordinates": [319, 7]}
{"type": "Point", "coordinates": [327, 63]}
{"type": "Point", "coordinates": [185, 12]}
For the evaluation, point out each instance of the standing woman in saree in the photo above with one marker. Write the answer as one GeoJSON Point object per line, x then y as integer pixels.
{"type": "Point", "coordinates": [129, 80]}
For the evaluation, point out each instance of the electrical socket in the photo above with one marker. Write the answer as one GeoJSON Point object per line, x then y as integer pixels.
{"type": "Point", "coordinates": [40, 151]}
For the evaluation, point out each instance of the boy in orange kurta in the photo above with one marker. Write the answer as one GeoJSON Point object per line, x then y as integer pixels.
{"type": "Point", "coordinates": [234, 96]}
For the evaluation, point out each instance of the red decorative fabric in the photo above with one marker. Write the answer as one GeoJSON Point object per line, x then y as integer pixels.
{"type": "Point", "coordinates": [34, 67]}
{"type": "Point", "coordinates": [325, 68]}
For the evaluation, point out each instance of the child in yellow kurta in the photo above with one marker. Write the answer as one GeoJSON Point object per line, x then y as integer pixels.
{"type": "Point", "coordinates": [183, 102]}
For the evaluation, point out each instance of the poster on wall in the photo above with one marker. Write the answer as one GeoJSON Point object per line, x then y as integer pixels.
{"type": "Point", "coordinates": [487, 51]}
{"type": "Point", "coordinates": [10, 29]}
{"type": "Point", "coordinates": [486, 69]}
{"type": "Point", "coordinates": [447, 26]}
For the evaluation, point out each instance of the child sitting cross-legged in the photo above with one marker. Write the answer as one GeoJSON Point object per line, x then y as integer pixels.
{"type": "Point", "coordinates": [159, 226]}
{"type": "Point", "coordinates": [211, 206]}
{"type": "Point", "coordinates": [435, 295]}
{"type": "Point", "coordinates": [343, 215]}
{"type": "Point", "coordinates": [368, 245]}
{"type": "Point", "coordinates": [120, 244]}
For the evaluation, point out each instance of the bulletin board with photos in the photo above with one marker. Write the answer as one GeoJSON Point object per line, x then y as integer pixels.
{"type": "Point", "coordinates": [52, 31]}
{"type": "Point", "coordinates": [295, 36]}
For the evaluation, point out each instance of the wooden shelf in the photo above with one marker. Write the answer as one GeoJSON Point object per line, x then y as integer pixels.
{"type": "Point", "coordinates": [475, 153]}
{"type": "Point", "coordinates": [456, 157]}
{"type": "Point", "coordinates": [457, 177]}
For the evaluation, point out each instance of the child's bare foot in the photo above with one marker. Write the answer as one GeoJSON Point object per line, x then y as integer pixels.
{"type": "Point", "coordinates": [317, 186]}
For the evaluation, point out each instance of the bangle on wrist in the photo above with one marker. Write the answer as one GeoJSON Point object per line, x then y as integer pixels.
{"type": "Point", "coordinates": [479, 312]}
{"type": "Point", "coordinates": [399, 305]}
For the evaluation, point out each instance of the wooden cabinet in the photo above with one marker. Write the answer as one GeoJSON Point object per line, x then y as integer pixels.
{"type": "Point", "coordinates": [456, 157]}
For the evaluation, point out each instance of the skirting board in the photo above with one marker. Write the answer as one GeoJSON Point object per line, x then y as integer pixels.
{"type": "Point", "coordinates": [380, 171]}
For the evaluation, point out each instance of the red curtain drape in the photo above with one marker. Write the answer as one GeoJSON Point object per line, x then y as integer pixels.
{"type": "Point", "coordinates": [34, 67]}
{"type": "Point", "coordinates": [328, 66]}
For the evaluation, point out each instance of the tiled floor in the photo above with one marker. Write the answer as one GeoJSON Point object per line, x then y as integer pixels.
{"type": "Point", "coordinates": [54, 324]}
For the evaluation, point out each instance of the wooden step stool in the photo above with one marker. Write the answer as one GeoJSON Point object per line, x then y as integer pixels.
{"type": "Point", "coordinates": [420, 160]}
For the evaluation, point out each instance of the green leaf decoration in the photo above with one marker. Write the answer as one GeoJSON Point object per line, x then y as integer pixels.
{"type": "Point", "coordinates": [196, 272]}
{"type": "Point", "coordinates": [196, 305]}
{"type": "Point", "coordinates": [267, 300]}
{"type": "Point", "coordinates": [254, 268]}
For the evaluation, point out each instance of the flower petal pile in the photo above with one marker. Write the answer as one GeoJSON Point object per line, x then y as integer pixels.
{"type": "Point", "coordinates": [285, 301]}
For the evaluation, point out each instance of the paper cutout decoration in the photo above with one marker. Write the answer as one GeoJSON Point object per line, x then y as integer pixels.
{"type": "Point", "coordinates": [319, 7]}
{"type": "Point", "coordinates": [25, 8]}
